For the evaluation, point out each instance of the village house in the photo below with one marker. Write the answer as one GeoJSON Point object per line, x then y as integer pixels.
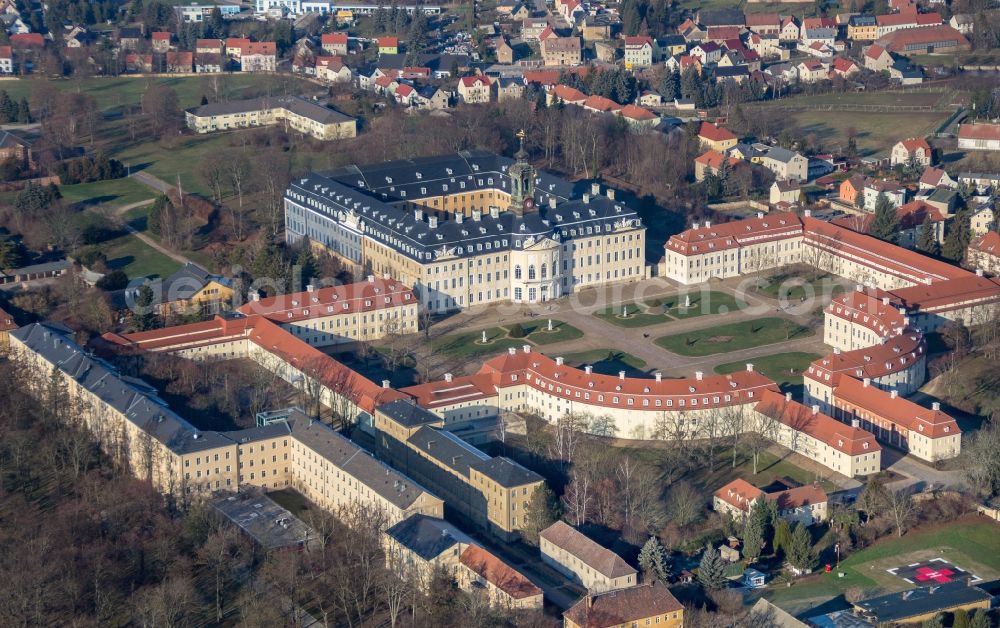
{"type": "Point", "coordinates": [891, 190]}
{"type": "Point", "coordinates": [707, 52]}
{"type": "Point", "coordinates": [716, 137]}
{"type": "Point", "coordinates": [984, 253]}
{"type": "Point", "coordinates": [180, 62]}
{"type": "Point", "coordinates": [914, 149]}
{"type": "Point", "coordinates": [979, 136]}
{"type": "Point", "coordinates": [877, 58]}
{"type": "Point", "coordinates": [982, 219]}
{"type": "Point", "coordinates": [15, 147]}
{"type": "Point", "coordinates": [560, 51]}
{"type": "Point", "coordinates": [597, 568]}
{"type": "Point", "coordinates": [785, 164]}
{"type": "Point", "coordinates": [812, 70]}
{"type": "Point", "coordinates": [710, 162]}
{"type": "Point", "coordinates": [862, 28]}
{"type": "Point", "coordinates": [805, 504]}
{"type": "Point", "coordinates": [6, 60]}
{"type": "Point", "coordinates": [334, 44]}
{"type": "Point", "coordinates": [160, 41]}
{"type": "Point", "coordinates": [649, 604]}
{"type": "Point", "coordinates": [640, 51]}
{"type": "Point", "coordinates": [934, 178]}
{"type": "Point", "coordinates": [504, 52]}
{"type": "Point", "coordinates": [332, 70]}
{"type": "Point", "coordinates": [259, 56]}
{"type": "Point", "coordinates": [474, 89]}
{"type": "Point", "coordinates": [128, 38]}
{"type": "Point", "coordinates": [208, 46]}
{"type": "Point", "coordinates": [509, 89]}
{"type": "Point", "coordinates": [844, 67]}
{"type": "Point", "coordinates": [388, 45]}
{"type": "Point", "coordinates": [671, 45]}
{"type": "Point", "coordinates": [208, 62]}
{"type": "Point", "coordinates": [790, 29]}
{"type": "Point", "coordinates": [784, 191]}
{"type": "Point", "coordinates": [851, 189]}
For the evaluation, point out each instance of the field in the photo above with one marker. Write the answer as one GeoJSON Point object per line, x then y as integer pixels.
{"type": "Point", "coordinates": [665, 309]}
{"type": "Point", "coordinates": [791, 286]}
{"type": "Point", "coordinates": [733, 337]}
{"type": "Point", "coordinates": [469, 344]}
{"type": "Point", "coordinates": [115, 193]}
{"type": "Point", "coordinates": [784, 368]}
{"type": "Point", "coordinates": [972, 543]}
{"type": "Point", "coordinates": [877, 132]}
{"type": "Point", "coordinates": [131, 255]}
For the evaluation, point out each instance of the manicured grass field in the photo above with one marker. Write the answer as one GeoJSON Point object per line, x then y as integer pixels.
{"type": "Point", "coordinates": [784, 368]}
{"type": "Point", "coordinates": [665, 309]}
{"type": "Point", "coordinates": [116, 193]}
{"type": "Point", "coordinates": [498, 339]}
{"type": "Point", "coordinates": [972, 544]}
{"type": "Point", "coordinates": [606, 361]}
{"type": "Point", "coordinates": [132, 255]}
{"type": "Point", "coordinates": [181, 158]}
{"type": "Point", "coordinates": [793, 286]}
{"type": "Point", "coordinates": [733, 337]}
{"type": "Point", "coordinates": [877, 132]}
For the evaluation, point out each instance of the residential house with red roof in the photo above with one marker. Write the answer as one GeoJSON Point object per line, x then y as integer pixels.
{"type": "Point", "coordinates": [911, 220]}
{"type": "Point", "coordinates": [388, 45]}
{"type": "Point", "coordinates": [334, 44]}
{"type": "Point", "coordinates": [844, 67]}
{"type": "Point", "coordinates": [505, 586]}
{"type": "Point", "coordinates": [160, 41]}
{"type": "Point", "coordinates": [27, 41]}
{"type": "Point", "coordinates": [6, 60]}
{"type": "Point", "coordinates": [180, 62]}
{"type": "Point", "coordinates": [803, 504]}
{"type": "Point", "coordinates": [791, 29]}
{"type": "Point", "coordinates": [474, 89]}
{"type": "Point", "coordinates": [332, 70]}
{"type": "Point", "coordinates": [639, 117]}
{"type": "Point", "coordinates": [208, 46]}
{"type": "Point", "coordinates": [936, 177]}
{"type": "Point", "coordinates": [708, 52]}
{"type": "Point", "coordinates": [984, 253]}
{"type": "Point", "coordinates": [640, 51]}
{"type": "Point", "coordinates": [979, 136]}
{"type": "Point", "coordinates": [812, 70]}
{"type": "Point", "coordinates": [716, 137]}
{"type": "Point", "coordinates": [877, 58]}
{"type": "Point", "coordinates": [566, 95]}
{"type": "Point", "coordinates": [911, 150]}
{"type": "Point", "coordinates": [259, 56]}
{"type": "Point", "coordinates": [710, 162]}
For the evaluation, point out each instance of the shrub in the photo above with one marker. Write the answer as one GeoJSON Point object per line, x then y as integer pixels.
{"type": "Point", "coordinates": [516, 331]}
{"type": "Point", "coordinates": [115, 280]}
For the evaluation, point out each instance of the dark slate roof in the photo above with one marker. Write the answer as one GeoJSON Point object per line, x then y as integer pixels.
{"type": "Point", "coordinates": [407, 413]}
{"type": "Point", "coordinates": [360, 196]}
{"type": "Point", "coordinates": [9, 140]}
{"type": "Point", "coordinates": [732, 71]}
{"type": "Point", "coordinates": [672, 40]}
{"type": "Point", "coordinates": [129, 33]}
{"type": "Point", "coordinates": [898, 607]}
{"type": "Point", "coordinates": [295, 104]}
{"type": "Point", "coordinates": [131, 397]}
{"type": "Point", "coordinates": [862, 20]}
{"type": "Point", "coordinates": [187, 281]}
{"type": "Point", "coordinates": [427, 537]}
{"type": "Point", "coordinates": [448, 449]}
{"type": "Point", "coordinates": [506, 472]}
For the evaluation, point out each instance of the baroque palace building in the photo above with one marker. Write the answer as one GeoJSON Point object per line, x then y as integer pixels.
{"type": "Point", "coordinates": [469, 228]}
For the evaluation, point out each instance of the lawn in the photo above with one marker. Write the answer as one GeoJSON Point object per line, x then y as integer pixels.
{"type": "Point", "coordinates": [181, 158]}
{"type": "Point", "coordinates": [665, 309]}
{"type": "Point", "coordinates": [909, 98]}
{"type": "Point", "coordinates": [971, 543]}
{"type": "Point", "coordinates": [132, 255]}
{"type": "Point", "coordinates": [607, 361]}
{"type": "Point", "coordinates": [116, 193]}
{"type": "Point", "coordinates": [784, 368]}
{"type": "Point", "coordinates": [877, 132]}
{"type": "Point", "coordinates": [734, 337]}
{"type": "Point", "coordinates": [470, 344]}
{"type": "Point", "coordinates": [792, 286]}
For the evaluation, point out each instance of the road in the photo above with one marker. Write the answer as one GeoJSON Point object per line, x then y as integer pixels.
{"type": "Point", "coordinates": [160, 186]}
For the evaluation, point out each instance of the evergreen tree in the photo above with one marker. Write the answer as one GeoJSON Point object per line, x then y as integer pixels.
{"type": "Point", "coordinates": [8, 109]}
{"type": "Point", "coordinates": [782, 536]}
{"type": "Point", "coordinates": [979, 619]}
{"type": "Point", "coordinates": [690, 83]}
{"type": "Point", "coordinates": [960, 618]}
{"type": "Point", "coordinates": [144, 316]}
{"type": "Point", "coordinates": [933, 622]}
{"type": "Point", "coordinates": [670, 87]}
{"type": "Point", "coordinates": [800, 552]}
{"type": "Point", "coordinates": [712, 570]}
{"type": "Point", "coordinates": [885, 224]}
{"type": "Point", "coordinates": [306, 262]}
{"type": "Point", "coordinates": [956, 240]}
{"type": "Point", "coordinates": [57, 396]}
{"type": "Point", "coordinates": [654, 561]}
{"type": "Point", "coordinates": [543, 511]}
{"type": "Point", "coordinates": [753, 534]}
{"type": "Point", "coordinates": [926, 240]}
{"type": "Point", "coordinates": [204, 99]}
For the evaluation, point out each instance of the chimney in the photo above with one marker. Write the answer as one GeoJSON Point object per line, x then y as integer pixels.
{"type": "Point", "coordinates": [459, 218]}
{"type": "Point", "coordinates": [760, 214]}
{"type": "Point", "coordinates": [254, 296]}
{"type": "Point", "coordinates": [836, 351]}
{"type": "Point", "coordinates": [855, 423]}
{"type": "Point", "coordinates": [511, 350]}
{"type": "Point", "coordinates": [527, 348]}
{"type": "Point", "coordinates": [868, 382]}
{"type": "Point", "coordinates": [788, 396]}
{"type": "Point", "coordinates": [815, 409]}
{"type": "Point", "coordinates": [559, 361]}
{"type": "Point", "coordinates": [552, 202]}
{"type": "Point", "coordinates": [586, 197]}
{"type": "Point", "coordinates": [894, 393]}
{"type": "Point", "coordinates": [708, 224]}
{"type": "Point", "coordinates": [859, 288]}
{"type": "Point", "coordinates": [699, 375]}
{"type": "Point", "coordinates": [310, 288]}
{"type": "Point", "coordinates": [447, 377]}
{"type": "Point", "coordinates": [659, 376]}
{"type": "Point", "coordinates": [595, 189]}
{"type": "Point", "coordinates": [936, 406]}
{"type": "Point", "coordinates": [494, 212]}
{"type": "Point", "coordinates": [477, 215]}
{"type": "Point", "coordinates": [808, 213]}
{"type": "Point", "coordinates": [371, 278]}
{"type": "Point", "coordinates": [979, 272]}
{"type": "Point", "coordinates": [611, 194]}
{"type": "Point", "coordinates": [432, 221]}
{"type": "Point", "coordinates": [885, 300]}
{"type": "Point", "coordinates": [695, 225]}
{"type": "Point", "coordinates": [418, 214]}
{"type": "Point", "coordinates": [588, 369]}
{"type": "Point", "coordinates": [749, 367]}
{"type": "Point", "coordinates": [385, 383]}
{"type": "Point", "coordinates": [621, 374]}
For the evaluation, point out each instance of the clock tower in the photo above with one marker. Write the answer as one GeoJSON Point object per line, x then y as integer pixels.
{"type": "Point", "coordinates": [522, 181]}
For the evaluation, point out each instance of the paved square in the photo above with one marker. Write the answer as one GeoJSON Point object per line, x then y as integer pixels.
{"type": "Point", "coordinates": [932, 572]}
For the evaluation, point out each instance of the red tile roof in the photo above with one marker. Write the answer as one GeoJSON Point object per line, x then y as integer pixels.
{"type": "Point", "coordinates": [637, 113]}
{"type": "Point", "coordinates": [237, 43]}
{"type": "Point", "coordinates": [853, 395]}
{"type": "Point", "coordinates": [763, 19]}
{"type": "Point", "coordinates": [932, 176]}
{"type": "Point", "coordinates": [388, 42]}
{"type": "Point", "coordinates": [364, 296]}
{"type": "Point", "coordinates": [739, 494]}
{"type": "Point", "coordinates": [214, 44]}
{"type": "Point", "coordinates": [459, 390]}
{"type": "Point", "coordinates": [959, 292]}
{"type": "Point", "coordinates": [980, 131]}
{"type": "Point", "coordinates": [988, 243]}
{"type": "Point", "coordinates": [898, 353]}
{"type": "Point", "coordinates": [913, 143]}
{"type": "Point", "coordinates": [843, 64]}
{"type": "Point", "coordinates": [6, 52]}
{"type": "Point", "coordinates": [333, 38]}
{"type": "Point", "coordinates": [404, 90]}
{"type": "Point", "coordinates": [715, 133]}
{"type": "Point", "coordinates": [638, 42]}
{"type": "Point", "coordinates": [708, 238]}
{"type": "Point", "coordinates": [600, 103]}
{"type": "Point", "coordinates": [900, 40]}
{"type": "Point", "coordinates": [568, 94]}
{"type": "Point", "coordinates": [850, 440]}
{"type": "Point", "coordinates": [180, 58]}
{"type": "Point", "coordinates": [797, 497]}
{"type": "Point", "coordinates": [911, 216]}
{"type": "Point", "coordinates": [27, 40]}
{"type": "Point", "coordinates": [875, 51]}
{"type": "Point", "coordinates": [260, 48]}
{"type": "Point", "coordinates": [161, 36]}
{"type": "Point", "coordinates": [475, 81]}
{"type": "Point", "coordinates": [6, 321]}
{"type": "Point", "coordinates": [498, 573]}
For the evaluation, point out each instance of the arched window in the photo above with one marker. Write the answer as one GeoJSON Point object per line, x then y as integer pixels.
{"type": "Point", "coordinates": [531, 272]}
{"type": "Point", "coordinates": [517, 272]}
